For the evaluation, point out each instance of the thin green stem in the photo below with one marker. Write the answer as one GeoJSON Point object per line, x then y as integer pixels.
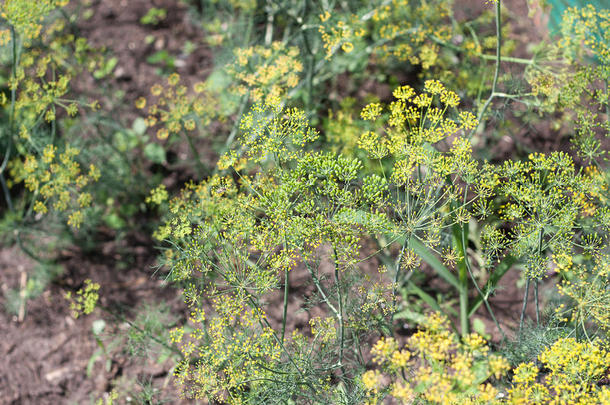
{"type": "Point", "coordinates": [524, 307]}
{"type": "Point", "coordinates": [537, 304]}
{"type": "Point", "coordinates": [279, 341]}
{"type": "Point", "coordinates": [285, 310]}
{"type": "Point", "coordinates": [607, 104]}
{"type": "Point", "coordinates": [131, 324]}
{"type": "Point", "coordinates": [397, 269]}
{"type": "Point", "coordinates": [498, 62]}
{"type": "Point", "coordinates": [316, 282]}
{"type": "Point", "coordinates": [240, 112]}
{"type": "Point", "coordinates": [340, 313]}
{"type": "Point", "coordinates": [6, 192]}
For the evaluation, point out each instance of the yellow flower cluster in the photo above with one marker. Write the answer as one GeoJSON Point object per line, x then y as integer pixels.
{"type": "Point", "coordinates": [588, 290]}
{"type": "Point", "coordinates": [586, 28]}
{"type": "Point", "coordinates": [339, 34]}
{"type": "Point", "coordinates": [157, 195]}
{"type": "Point", "coordinates": [42, 76]}
{"type": "Point", "coordinates": [414, 122]}
{"type": "Point", "coordinates": [175, 109]}
{"type": "Point", "coordinates": [343, 128]}
{"type": "Point", "coordinates": [323, 329]}
{"type": "Point", "coordinates": [26, 16]}
{"type": "Point", "coordinates": [266, 73]}
{"type": "Point", "coordinates": [58, 180]}
{"type": "Point", "coordinates": [83, 303]}
{"type": "Point", "coordinates": [405, 26]}
{"type": "Point", "coordinates": [374, 300]}
{"type": "Point", "coordinates": [234, 348]}
{"type": "Point", "coordinates": [274, 131]}
{"type": "Point", "coordinates": [545, 199]}
{"type": "Point", "coordinates": [574, 368]}
{"type": "Point", "coordinates": [400, 29]}
{"type": "Point", "coordinates": [443, 369]}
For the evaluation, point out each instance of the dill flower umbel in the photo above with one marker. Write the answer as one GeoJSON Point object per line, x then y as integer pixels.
{"type": "Point", "coordinates": [175, 110]}
{"type": "Point", "coordinates": [574, 369]}
{"type": "Point", "coordinates": [58, 181]}
{"type": "Point", "coordinates": [443, 369]}
{"type": "Point", "coordinates": [266, 73]}
{"type": "Point", "coordinates": [85, 299]}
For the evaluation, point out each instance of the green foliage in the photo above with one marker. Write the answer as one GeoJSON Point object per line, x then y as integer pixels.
{"type": "Point", "coordinates": [34, 285]}
{"type": "Point", "coordinates": [153, 16]}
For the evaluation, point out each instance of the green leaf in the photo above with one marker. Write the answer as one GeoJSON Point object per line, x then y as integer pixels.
{"type": "Point", "coordinates": [479, 327]}
{"type": "Point", "coordinates": [98, 353]}
{"type": "Point", "coordinates": [107, 68]}
{"type": "Point", "coordinates": [114, 221]}
{"type": "Point", "coordinates": [218, 82]}
{"type": "Point", "coordinates": [427, 298]}
{"type": "Point", "coordinates": [155, 152]}
{"type": "Point", "coordinates": [125, 140]}
{"type": "Point", "coordinates": [161, 56]}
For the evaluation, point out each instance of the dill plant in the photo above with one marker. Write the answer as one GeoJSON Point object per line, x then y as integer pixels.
{"type": "Point", "coordinates": [49, 171]}
{"type": "Point", "coordinates": [240, 236]}
{"type": "Point", "coordinates": [235, 239]}
{"type": "Point", "coordinates": [400, 185]}
{"type": "Point", "coordinates": [43, 59]}
{"type": "Point", "coordinates": [47, 186]}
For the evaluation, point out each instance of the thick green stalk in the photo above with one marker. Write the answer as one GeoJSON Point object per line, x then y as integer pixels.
{"type": "Point", "coordinates": [269, 27]}
{"type": "Point", "coordinates": [507, 59]}
{"type": "Point", "coordinates": [463, 292]}
{"type": "Point", "coordinates": [310, 62]}
{"type": "Point", "coordinates": [510, 59]}
{"type": "Point", "coordinates": [474, 281]}
{"type": "Point", "coordinates": [536, 302]}
{"type": "Point", "coordinates": [463, 270]}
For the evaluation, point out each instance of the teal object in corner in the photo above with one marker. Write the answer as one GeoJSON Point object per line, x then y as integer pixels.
{"type": "Point", "coordinates": [559, 6]}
